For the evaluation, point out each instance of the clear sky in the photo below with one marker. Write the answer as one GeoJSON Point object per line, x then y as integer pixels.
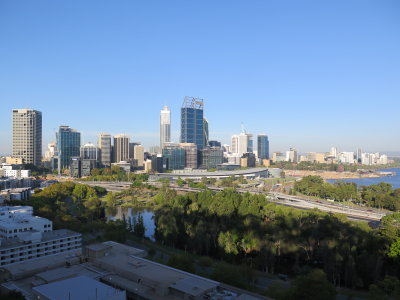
{"type": "Point", "coordinates": [310, 74]}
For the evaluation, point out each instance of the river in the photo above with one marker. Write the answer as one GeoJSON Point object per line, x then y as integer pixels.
{"type": "Point", "coordinates": [119, 213]}
{"type": "Point", "coordinates": [393, 180]}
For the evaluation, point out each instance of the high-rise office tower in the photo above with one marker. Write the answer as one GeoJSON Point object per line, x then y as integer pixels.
{"type": "Point", "coordinates": [104, 143]}
{"type": "Point", "coordinates": [263, 146]}
{"type": "Point", "coordinates": [68, 145]}
{"type": "Point", "coordinates": [192, 122]}
{"type": "Point", "coordinates": [121, 148]}
{"type": "Point", "coordinates": [27, 135]}
{"type": "Point", "coordinates": [242, 143]}
{"type": "Point", "coordinates": [139, 155]}
{"type": "Point", "coordinates": [165, 126]}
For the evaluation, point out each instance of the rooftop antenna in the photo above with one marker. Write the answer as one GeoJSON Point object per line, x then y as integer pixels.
{"type": "Point", "coordinates": [243, 128]}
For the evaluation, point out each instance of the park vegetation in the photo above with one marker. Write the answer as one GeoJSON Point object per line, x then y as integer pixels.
{"type": "Point", "coordinates": [245, 229]}
{"type": "Point", "coordinates": [320, 250]}
{"type": "Point", "coordinates": [380, 195]}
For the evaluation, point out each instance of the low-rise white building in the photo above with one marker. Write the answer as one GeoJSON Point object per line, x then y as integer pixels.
{"type": "Point", "coordinates": [25, 237]}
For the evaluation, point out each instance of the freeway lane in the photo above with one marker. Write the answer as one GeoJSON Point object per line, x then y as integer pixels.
{"type": "Point", "coordinates": [278, 198]}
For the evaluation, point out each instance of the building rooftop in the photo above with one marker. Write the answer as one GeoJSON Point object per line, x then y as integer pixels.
{"type": "Point", "coordinates": [77, 288]}
{"type": "Point", "coordinates": [193, 286]}
{"type": "Point", "coordinates": [46, 236]}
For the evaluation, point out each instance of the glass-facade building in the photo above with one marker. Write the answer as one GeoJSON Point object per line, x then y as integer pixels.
{"type": "Point", "coordinates": [68, 145]}
{"type": "Point", "coordinates": [176, 158]}
{"type": "Point", "coordinates": [192, 122]}
{"type": "Point", "coordinates": [263, 146]}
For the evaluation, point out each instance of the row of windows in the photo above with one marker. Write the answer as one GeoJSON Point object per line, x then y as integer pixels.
{"type": "Point", "coordinates": [5, 257]}
{"type": "Point", "coordinates": [38, 255]}
{"type": "Point", "coordinates": [62, 241]}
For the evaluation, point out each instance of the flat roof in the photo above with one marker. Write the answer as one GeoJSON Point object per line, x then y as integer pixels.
{"type": "Point", "coordinates": [77, 288]}
{"type": "Point", "coordinates": [193, 286]}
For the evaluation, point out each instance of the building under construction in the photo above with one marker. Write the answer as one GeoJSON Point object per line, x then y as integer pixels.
{"type": "Point", "coordinates": [192, 122]}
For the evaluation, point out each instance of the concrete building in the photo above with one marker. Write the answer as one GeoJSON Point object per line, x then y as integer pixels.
{"type": "Point", "coordinates": [79, 287]}
{"type": "Point", "coordinates": [15, 182]}
{"type": "Point", "coordinates": [316, 157]}
{"type": "Point", "coordinates": [68, 145]}
{"type": "Point", "coordinates": [165, 126]}
{"type": "Point", "coordinates": [192, 122]}
{"type": "Point", "coordinates": [121, 148]}
{"type": "Point", "coordinates": [14, 160]}
{"type": "Point", "coordinates": [346, 157]}
{"type": "Point", "coordinates": [138, 155]}
{"type": "Point", "coordinates": [248, 160]}
{"type": "Point", "coordinates": [291, 155]}
{"type": "Point", "coordinates": [278, 156]}
{"type": "Point", "coordinates": [18, 194]}
{"type": "Point", "coordinates": [26, 237]}
{"type": "Point", "coordinates": [104, 144]}
{"type": "Point", "coordinates": [89, 151]}
{"type": "Point", "coordinates": [148, 280]}
{"type": "Point", "coordinates": [7, 170]}
{"type": "Point", "coordinates": [242, 143]}
{"type": "Point", "coordinates": [81, 167]}
{"type": "Point", "coordinates": [147, 165]}
{"type": "Point", "coordinates": [27, 135]}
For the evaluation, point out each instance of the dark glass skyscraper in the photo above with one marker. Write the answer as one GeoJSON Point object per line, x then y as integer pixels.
{"type": "Point", "coordinates": [263, 146]}
{"type": "Point", "coordinates": [68, 145]}
{"type": "Point", "coordinates": [192, 122]}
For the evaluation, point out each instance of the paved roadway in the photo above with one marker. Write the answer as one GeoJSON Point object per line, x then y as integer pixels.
{"type": "Point", "coordinates": [279, 198]}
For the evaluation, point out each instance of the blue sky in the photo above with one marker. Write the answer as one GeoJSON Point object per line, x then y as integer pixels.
{"type": "Point", "coordinates": [310, 74]}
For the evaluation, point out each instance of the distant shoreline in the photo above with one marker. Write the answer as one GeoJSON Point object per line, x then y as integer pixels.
{"type": "Point", "coordinates": [332, 174]}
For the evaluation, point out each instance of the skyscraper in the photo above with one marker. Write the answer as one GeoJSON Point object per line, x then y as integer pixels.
{"type": "Point", "coordinates": [68, 145]}
{"type": "Point", "coordinates": [192, 122]}
{"type": "Point", "coordinates": [242, 143]}
{"type": "Point", "coordinates": [121, 148]}
{"type": "Point", "coordinates": [27, 135]}
{"type": "Point", "coordinates": [263, 146]}
{"type": "Point", "coordinates": [206, 133]}
{"type": "Point", "coordinates": [104, 144]}
{"type": "Point", "coordinates": [165, 126]}
{"type": "Point", "coordinates": [139, 155]}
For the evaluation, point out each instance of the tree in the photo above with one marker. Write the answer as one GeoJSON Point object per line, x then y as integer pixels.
{"type": "Point", "coordinates": [182, 262]}
{"type": "Point", "coordinates": [313, 286]}
{"type": "Point", "coordinates": [138, 228]}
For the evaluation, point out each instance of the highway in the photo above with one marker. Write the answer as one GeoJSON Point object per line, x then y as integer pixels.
{"type": "Point", "coordinates": [278, 198]}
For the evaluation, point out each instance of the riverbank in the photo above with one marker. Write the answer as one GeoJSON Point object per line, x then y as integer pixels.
{"type": "Point", "coordinates": [332, 174]}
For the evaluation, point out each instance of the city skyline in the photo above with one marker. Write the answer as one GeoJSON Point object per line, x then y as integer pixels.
{"type": "Point", "coordinates": [267, 65]}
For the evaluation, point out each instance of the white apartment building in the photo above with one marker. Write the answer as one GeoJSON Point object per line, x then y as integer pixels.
{"type": "Point", "coordinates": [6, 170]}
{"type": "Point", "coordinates": [291, 155]}
{"type": "Point", "coordinates": [26, 237]}
{"type": "Point", "coordinates": [346, 157]}
{"type": "Point", "coordinates": [242, 143]}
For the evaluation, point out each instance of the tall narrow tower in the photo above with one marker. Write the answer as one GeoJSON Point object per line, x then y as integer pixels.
{"type": "Point", "coordinates": [68, 145]}
{"type": "Point", "coordinates": [104, 144]}
{"type": "Point", "coordinates": [192, 122]}
{"type": "Point", "coordinates": [121, 147]}
{"type": "Point", "coordinates": [165, 126]}
{"type": "Point", "coordinates": [27, 135]}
